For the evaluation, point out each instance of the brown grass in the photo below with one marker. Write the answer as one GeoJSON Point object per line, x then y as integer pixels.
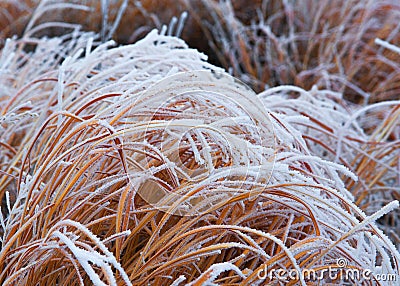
{"type": "Point", "coordinates": [144, 164]}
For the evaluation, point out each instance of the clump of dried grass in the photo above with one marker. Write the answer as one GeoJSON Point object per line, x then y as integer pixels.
{"type": "Point", "coordinates": [118, 168]}
{"type": "Point", "coordinates": [143, 164]}
{"type": "Point", "coordinates": [264, 43]}
{"type": "Point", "coordinates": [125, 21]}
{"type": "Point", "coordinates": [341, 132]}
{"type": "Point", "coordinates": [305, 43]}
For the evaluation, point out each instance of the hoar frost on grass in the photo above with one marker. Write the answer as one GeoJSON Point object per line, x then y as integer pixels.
{"type": "Point", "coordinates": [144, 164]}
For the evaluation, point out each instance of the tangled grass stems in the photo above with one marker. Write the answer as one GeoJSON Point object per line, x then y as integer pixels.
{"type": "Point", "coordinates": [372, 155]}
{"type": "Point", "coordinates": [331, 45]}
{"type": "Point", "coordinates": [264, 43]}
{"type": "Point", "coordinates": [146, 164]}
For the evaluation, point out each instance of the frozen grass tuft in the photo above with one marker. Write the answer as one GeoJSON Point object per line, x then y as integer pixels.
{"type": "Point", "coordinates": [264, 43]}
{"type": "Point", "coordinates": [144, 164]}
{"type": "Point", "coordinates": [306, 43]}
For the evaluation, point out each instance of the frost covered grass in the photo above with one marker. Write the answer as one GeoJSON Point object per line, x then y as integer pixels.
{"type": "Point", "coordinates": [306, 43]}
{"type": "Point", "coordinates": [145, 164]}
{"type": "Point", "coordinates": [264, 43]}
